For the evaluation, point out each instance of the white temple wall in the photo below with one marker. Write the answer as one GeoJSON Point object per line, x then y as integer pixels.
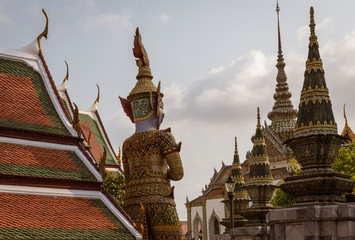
{"type": "Point", "coordinates": [214, 209]}
{"type": "Point", "coordinates": [196, 216]}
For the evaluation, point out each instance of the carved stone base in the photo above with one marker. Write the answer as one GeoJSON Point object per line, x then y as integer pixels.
{"type": "Point", "coordinates": [322, 188]}
{"type": "Point", "coordinates": [256, 216]}
{"type": "Point", "coordinates": [250, 233]}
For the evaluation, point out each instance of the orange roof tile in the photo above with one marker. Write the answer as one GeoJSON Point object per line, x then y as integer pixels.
{"type": "Point", "coordinates": [43, 162]}
{"type": "Point", "coordinates": [20, 102]}
{"type": "Point", "coordinates": [52, 217]}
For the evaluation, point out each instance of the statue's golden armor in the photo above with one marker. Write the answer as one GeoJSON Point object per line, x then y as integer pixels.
{"type": "Point", "coordinates": [150, 160]}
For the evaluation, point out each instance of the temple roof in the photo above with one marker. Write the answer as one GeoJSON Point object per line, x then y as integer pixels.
{"type": "Point", "coordinates": [92, 128]}
{"type": "Point", "coordinates": [283, 115]}
{"type": "Point", "coordinates": [50, 184]}
{"type": "Point", "coordinates": [45, 214]}
{"type": "Point", "coordinates": [315, 114]}
{"type": "Point", "coordinates": [46, 160]}
{"type": "Point", "coordinates": [28, 99]}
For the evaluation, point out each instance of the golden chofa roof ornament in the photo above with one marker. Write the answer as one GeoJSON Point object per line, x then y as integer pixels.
{"type": "Point", "coordinates": [44, 33]}
{"type": "Point", "coordinates": [145, 98]}
{"type": "Point", "coordinates": [67, 76]}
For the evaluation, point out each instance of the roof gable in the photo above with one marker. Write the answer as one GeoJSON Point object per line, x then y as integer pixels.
{"type": "Point", "coordinates": [26, 103]}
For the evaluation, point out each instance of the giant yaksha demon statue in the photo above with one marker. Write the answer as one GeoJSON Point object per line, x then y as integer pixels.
{"type": "Point", "coordinates": [150, 158]}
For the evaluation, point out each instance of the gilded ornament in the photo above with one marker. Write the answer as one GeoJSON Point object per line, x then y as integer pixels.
{"type": "Point", "coordinates": [44, 33]}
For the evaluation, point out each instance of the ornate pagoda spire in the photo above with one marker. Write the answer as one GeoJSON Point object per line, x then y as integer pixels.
{"type": "Point", "coordinates": [315, 108]}
{"type": "Point", "coordinates": [260, 172]}
{"type": "Point", "coordinates": [259, 185]}
{"type": "Point", "coordinates": [237, 176]}
{"type": "Point", "coordinates": [315, 142]}
{"type": "Point", "coordinates": [283, 115]}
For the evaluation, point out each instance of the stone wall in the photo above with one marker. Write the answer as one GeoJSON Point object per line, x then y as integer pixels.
{"type": "Point", "coordinates": [333, 222]}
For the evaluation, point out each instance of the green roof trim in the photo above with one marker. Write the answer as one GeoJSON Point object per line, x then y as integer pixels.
{"type": "Point", "coordinates": [96, 131]}
{"type": "Point", "coordinates": [27, 170]}
{"type": "Point", "coordinates": [67, 108]}
{"type": "Point", "coordinates": [19, 68]}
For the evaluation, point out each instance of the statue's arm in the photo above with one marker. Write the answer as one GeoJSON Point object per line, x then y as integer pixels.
{"type": "Point", "coordinates": [171, 152]}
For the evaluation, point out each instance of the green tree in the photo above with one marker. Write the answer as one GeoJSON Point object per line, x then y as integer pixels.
{"type": "Point", "coordinates": [115, 185]}
{"type": "Point", "coordinates": [281, 198]}
{"type": "Point", "coordinates": [345, 160]}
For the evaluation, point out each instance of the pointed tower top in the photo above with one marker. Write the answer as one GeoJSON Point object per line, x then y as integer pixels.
{"type": "Point", "coordinates": [312, 25]}
{"type": "Point", "coordinates": [258, 125]}
{"type": "Point", "coordinates": [260, 172]}
{"type": "Point", "coordinates": [235, 147]}
{"type": "Point", "coordinates": [283, 115]}
{"type": "Point", "coordinates": [315, 108]}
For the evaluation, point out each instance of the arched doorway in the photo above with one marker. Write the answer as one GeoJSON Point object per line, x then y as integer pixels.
{"type": "Point", "coordinates": [197, 227]}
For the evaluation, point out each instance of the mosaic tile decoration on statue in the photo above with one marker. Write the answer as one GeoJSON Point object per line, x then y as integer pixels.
{"type": "Point", "coordinates": [47, 217]}
{"type": "Point", "coordinates": [42, 162]}
{"type": "Point", "coordinates": [25, 102]}
{"type": "Point", "coordinates": [97, 140]}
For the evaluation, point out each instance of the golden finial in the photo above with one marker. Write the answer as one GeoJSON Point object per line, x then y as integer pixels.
{"type": "Point", "coordinates": [235, 147]}
{"type": "Point", "coordinates": [76, 121]}
{"type": "Point", "coordinates": [346, 120]}
{"type": "Point", "coordinates": [119, 156]}
{"type": "Point", "coordinates": [44, 33]}
{"type": "Point", "coordinates": [258, 116]}
{"type": "Point", "coordinates": [159, 102]}
{"type": "Point", "coordinates": [89, 138]}
{"type": "Point", "coordinates": [98, 95]}
{"type": "Point", "coordinates": [67, 76]}
{"type": "Point", "coordinates": [312, 25]}
{"type": "Point", "coordinates": [102, 163]}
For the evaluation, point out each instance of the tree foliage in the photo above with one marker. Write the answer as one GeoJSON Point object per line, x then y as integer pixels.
{"type": "Point", "coordinates": [281, 198]}
{"type": "Point", "coordinates": [345, 160]}
{"type": "Point", "coordinates": [115, 185]}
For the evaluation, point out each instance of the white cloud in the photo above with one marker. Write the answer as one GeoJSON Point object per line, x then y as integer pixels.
{"type": "Point", "coordinates": [164, 18]}
{"type": "Point", "coordinates": [5, 19]}
{"type": "Point", "coordinates": [115, 23]}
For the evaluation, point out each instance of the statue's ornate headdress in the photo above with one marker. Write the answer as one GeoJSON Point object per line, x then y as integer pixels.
{"type": "Point", "coordinates": [144, 98]}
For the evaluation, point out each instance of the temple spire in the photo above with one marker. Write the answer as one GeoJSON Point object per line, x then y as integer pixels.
{"type": "Point", "coordinates": [283, 115]}
{"type": "Point", "coordinates": [315, 108]}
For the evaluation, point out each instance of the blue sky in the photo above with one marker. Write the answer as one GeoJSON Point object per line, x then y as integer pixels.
{"type": "Point", "coordinates": [215, 59]}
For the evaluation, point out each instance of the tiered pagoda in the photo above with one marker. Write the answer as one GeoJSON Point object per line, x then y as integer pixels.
{"type": "Point", "coordinates": [316, 142]}
{"type": "Point", "coordinates": [283, 121]}
{"type": "Point", "coordinates": [241, 198]}
{"type": "Point", "coordinates": [260, 185]}
{"type": "Point", "coordinates": [50, 185]}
